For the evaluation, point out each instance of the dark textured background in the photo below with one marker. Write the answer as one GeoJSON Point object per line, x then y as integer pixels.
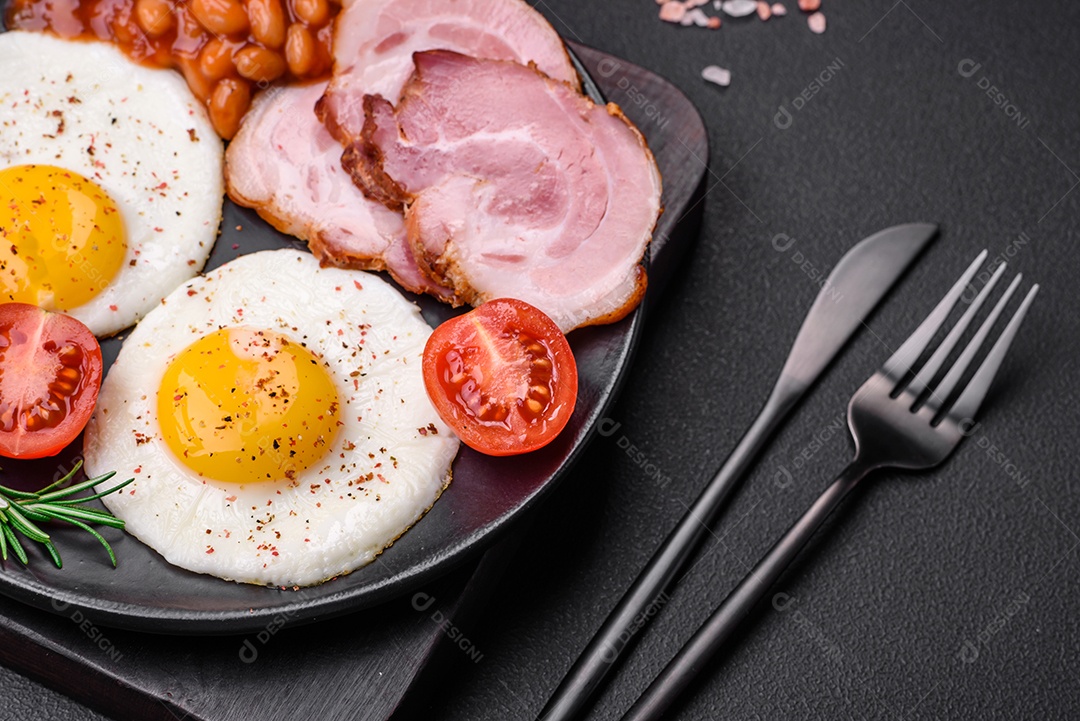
{"type": "Point", "coordinates": [951, 594]}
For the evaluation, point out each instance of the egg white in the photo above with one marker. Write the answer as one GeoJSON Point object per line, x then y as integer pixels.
{"type": "Point", "coordinates": [137, 132]}
{"type": "Point", "coordinates": [330, 520]}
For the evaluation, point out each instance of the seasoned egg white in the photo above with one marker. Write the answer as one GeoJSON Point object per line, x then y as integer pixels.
{"type": "Point", "coordinates": [384, 467]}
{"type": "Point", "coordinates": [136, 132]}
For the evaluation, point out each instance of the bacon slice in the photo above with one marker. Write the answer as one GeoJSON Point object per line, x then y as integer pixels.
{"type": "Point", "coordinates": [284, 164]}
{"type": "Point", "coordinates": [513, 184]}
{"type": "Point", "coordinates": [374, 41]}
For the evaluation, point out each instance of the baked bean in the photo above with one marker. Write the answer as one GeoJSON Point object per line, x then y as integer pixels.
{"type": "Point", "coordinates": [190, 35]}
{"type": "Point", "coordinates": [230, 100]}
{"type": "Point", "coordinates": [215, 59]}
{"type": "Point", "coordinates": [267, 22]}
{"type": "Point", "coordinates": [313, 12]}
{"type": "Point", "coordinates": [259, 64]}
{"type": "Point", "coordinates": [161, 56]}
{"type": "Point", "coordinates": [299, 50]}
{"type": "Point", "coordinates": [125, 28]}
{"type": "Point", "coordinates": [222, 17]}
{"type": "Point", "coordinates": [155, 16]}
{"type": "Point", "coordinates": [200, 85]}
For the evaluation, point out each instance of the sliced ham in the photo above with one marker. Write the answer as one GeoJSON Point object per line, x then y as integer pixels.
{"type": "Point", "coordinates": [284, 164]}
{"type": "Point", "coordinates": [374, 41]}
{"type": "Point", "coordinates": [513, 184]}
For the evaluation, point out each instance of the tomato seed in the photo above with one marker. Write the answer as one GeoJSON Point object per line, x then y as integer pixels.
{"type": "Point", "coordinates": [493, 412]}
{"type": "Point", "coordinates": [71, 356]}
{"type": "Point", "coordinates": [541, 393]}
{"type": "Point", "coordinates": [455, 363]}
{"type": "Point", "coordinates": [35, 421]}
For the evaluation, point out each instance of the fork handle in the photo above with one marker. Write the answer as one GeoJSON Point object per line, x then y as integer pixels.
{"type": "Point", "coordinates": [712, 635]}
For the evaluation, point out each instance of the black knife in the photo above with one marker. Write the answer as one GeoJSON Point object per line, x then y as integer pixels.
{"type": "Point", "coordinates": [853, 289]}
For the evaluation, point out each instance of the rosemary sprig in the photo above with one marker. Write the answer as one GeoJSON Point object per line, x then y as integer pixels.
{"type": "Point", "coordinates": [21, 511]}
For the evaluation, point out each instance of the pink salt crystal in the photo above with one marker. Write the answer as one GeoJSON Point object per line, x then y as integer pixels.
{"type": "Point", "coordinates": [718, 75]}
{"type": "Point", "coordinates": [809, 6]}
{"type": "Point", "coordinates": [739, 8]}
{"type": "Point", "coordinates": [816, 23]}
{"type": "Point", "coordinates": [691, 4]}
{"type": "Point", "coordinates": [779, 10]}
{"type": "Point", "coordinates": [696, 17]}
{"type": "Point", "coordinates": [763, 10]}
{"type": "Point", "coordinates": [714, 23]}
{"type": "Point", "coordinates": [672, 11]}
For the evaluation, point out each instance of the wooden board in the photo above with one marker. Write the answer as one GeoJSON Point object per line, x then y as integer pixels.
{"type": "Point", "coordinates": [360, 666]}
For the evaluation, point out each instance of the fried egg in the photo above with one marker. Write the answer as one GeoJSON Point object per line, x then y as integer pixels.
{"type": "Point", "coordinates": [111, 177]}
{"type": "Point", "coordinates": [274, 417]}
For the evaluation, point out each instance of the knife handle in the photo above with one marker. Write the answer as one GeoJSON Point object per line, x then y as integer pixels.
{"type": "Point", "coordinates": [647, 594]}
{"type": "Point", "coordinates": [710, 638]}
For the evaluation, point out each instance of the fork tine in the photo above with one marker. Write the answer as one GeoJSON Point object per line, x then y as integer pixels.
{"type": "Point", "coordinates": [967, 405]}
{"type": "Point", "coordinates": [945, 388]}
{"type": "Point", "coordinates": [902, 360]}
{"type": "Point", "coordinates": [931, 367]}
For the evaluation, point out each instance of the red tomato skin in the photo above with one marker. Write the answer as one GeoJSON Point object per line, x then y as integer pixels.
{"type": "Point", "coordinates": [529, 352]}
{"type": "Point", "coordinates": [24, 369]}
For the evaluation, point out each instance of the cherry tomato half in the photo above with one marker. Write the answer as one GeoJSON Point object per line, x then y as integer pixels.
{"type": "Point", "coordinates": [50, 374]}
{"type": "Point", "coordinates": [502, 376]}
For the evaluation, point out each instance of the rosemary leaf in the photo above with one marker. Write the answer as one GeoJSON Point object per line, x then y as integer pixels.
{"type": "Point", "coordinates": [71, 501]}
{"type": "Point", "coordinates": [17, 495]}
{"type": "Point", "coordinates": [65, 513]}
{"type": "Point", "coordinates": [56, 555]}
{"type": "Point", "coordinates": [21, 511]}
{"type": "Point", "coordinates": [34, 515]}
{"type": "Point", "coordinates": [67, 477]}
{"type": "Point", "coordinates": [20, 552]}
{"type": "Point", "coordinates": [95, 534]}
{"type": "Point", "coordinates": [25, 526]}
{"type": "Point", "coordinates": [89, 483]}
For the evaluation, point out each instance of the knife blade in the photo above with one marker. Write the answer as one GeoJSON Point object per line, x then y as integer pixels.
{"type": "Point", "coordinates": [851, 292]}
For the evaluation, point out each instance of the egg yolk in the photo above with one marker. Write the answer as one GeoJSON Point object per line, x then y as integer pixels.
{"type": "Point", "coordinates": [62, 237]}
{"type": "Point", "coordinates": [246, 406]}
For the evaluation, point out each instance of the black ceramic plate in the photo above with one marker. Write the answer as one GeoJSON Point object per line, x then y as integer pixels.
{"type": "Point", "coordinates": [145, 593]}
